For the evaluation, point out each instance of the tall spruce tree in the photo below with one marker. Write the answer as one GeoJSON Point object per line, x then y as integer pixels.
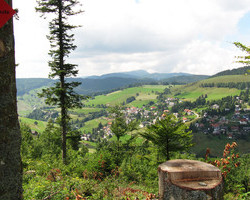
{"type": "Point", "coordinates": [62, 93]}
{"type": "Point", "coordinates": [10, 135]}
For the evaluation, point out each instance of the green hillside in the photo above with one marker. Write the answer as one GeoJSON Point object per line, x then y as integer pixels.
{"type": "Point", "coordinates": [143, 95]}
{"type": "Point", "coordinates": [29, 101]}
{"type": "Point", "coordinates": [237, 71]}
{"type": "Point", "coordinates": [194, 90]}
{"type": "Point", "coordinates": [35, 125]}
{"type": "Point", "coordinates": [227, 79]}
{"type": "Point", "coordinates": [89, 125]}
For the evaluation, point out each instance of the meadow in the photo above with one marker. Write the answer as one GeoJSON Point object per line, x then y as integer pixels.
{"type": "Point", "coordinates": [143, 95]}
{"type": "Point", "coordinates": [89, 125]}
{"type": "Point", "coordinates": [192, 91]}
{"type": "Point", "coordinates": [35, 125]}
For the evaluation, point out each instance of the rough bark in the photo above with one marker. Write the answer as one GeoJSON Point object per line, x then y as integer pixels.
{"type": "Point", "coordinates": [63, 89]}
{"type": "Point", "coordinates": [10, 136]}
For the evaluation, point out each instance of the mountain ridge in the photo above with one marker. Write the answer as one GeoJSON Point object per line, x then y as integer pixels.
{"type": "Point", "coordinates": [108, 82]}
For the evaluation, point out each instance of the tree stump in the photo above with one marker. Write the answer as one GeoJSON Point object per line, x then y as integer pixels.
{"type": "Point", "coordinates": [189, 180]}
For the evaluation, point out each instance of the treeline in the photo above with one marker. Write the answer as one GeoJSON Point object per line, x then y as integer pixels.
{"type": "Point", "coordinates": [238, 85]}
{"type": "Point", "coordinates": [238, 71]}
{"type": "Point", "coordinates": [42, 115]}
{"type": "Point", "coordinates": [135, 85]}
{"type": "Point", "coordinates": [90, 116]}
{"type": "Point", "coordinates": [200, 101]}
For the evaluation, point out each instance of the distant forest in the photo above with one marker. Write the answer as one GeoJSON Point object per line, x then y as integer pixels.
{"type": "Point", "coordinates": [238, 71]}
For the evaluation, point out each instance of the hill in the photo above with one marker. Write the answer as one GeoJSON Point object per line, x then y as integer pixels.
{"type": "Point", "coordinates": [186, 79]}
{"type": "Point", "coordinates": [193, 90]}
{"type": "Point", "coordinates": [141, 74]}
{"type": "Point", "coordinates": [237, 71]}
{"type": "Point", "coordinates": [24, 85]}
{"type": "Point", "coordinates": [227, 79]}
{"type": "Point", "coordinates": [109, 82]}
{"type": "Point", "coordinates": [143, 95]}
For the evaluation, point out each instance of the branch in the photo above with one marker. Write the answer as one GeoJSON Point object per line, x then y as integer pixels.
{"type": "Point", "coordinates": [49, 197]}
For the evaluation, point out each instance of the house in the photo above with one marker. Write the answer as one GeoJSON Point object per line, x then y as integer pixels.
{"type": "Point", "coordinates": [188, 112]}
{"type": "Point", "coordinates": [230, 136]}
{"type": "Point", "coordinates": [34, 132]}
{"type": "Point", "coordinates": [237, 112]}
{"type": "Point", "coordinates": [243, 121]}
{"type": "Point", "coordinates": [235, 128]}
{"type": "Point", "coordinates": [171, 103]}
{"type": "Point", "coordinates": [184, 119]}
{"type": "Point", "coordinates": [215, 106]}
{"type": "Point", "coordinates": [176, 115]}
{"type": "Point", "coordinates": [246, 129]}
{"type": "Point", "coordinates": [237, 108]}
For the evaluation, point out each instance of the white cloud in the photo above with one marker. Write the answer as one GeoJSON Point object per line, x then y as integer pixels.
{"type": "Point", "coordinates": [122, 35]}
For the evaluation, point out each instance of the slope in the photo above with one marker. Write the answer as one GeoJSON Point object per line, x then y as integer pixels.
{"type": "Point", "coordinates": [193, 90]}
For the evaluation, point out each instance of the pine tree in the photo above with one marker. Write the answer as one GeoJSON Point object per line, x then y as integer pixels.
{"type": "Point", "coordinates": [10, 135]}
{"type": "Point", "coordinates": [169, 135]}
{"type": "Point", "coordinates": [62, 93]}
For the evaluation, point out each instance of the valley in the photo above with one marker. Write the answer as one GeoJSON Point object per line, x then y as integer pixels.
{"type": "Point", "coordinates": [211, 124]}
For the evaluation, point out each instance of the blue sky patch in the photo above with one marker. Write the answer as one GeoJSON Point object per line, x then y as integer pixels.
{"type": "Point", "coordinates": [244, 24]}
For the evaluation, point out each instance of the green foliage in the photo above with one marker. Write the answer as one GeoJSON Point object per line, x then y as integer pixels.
{"type": "Point", "coordinates": [42, 115]}
{"type": "Point", "coordinates": [50, 141]}
{"type": "Point", "coordinates": [238, 85]}
{"type": "Point", "coordinates": [130, 99]}
{"type": "Point", "coordinates": [237, 71]}
{"type": "Point", "coordinates": [27, 140]}
{"type": "Point", "coordinates": [169, 135]}
{"type": "Point", "coordinates": [235, 171]}
{"type": "Point", "coordinates": [62, 94]}
{"type": "Point", "coordinates": [120, 126]}
{"type": "Point", "coordinates": [120, 96]}
{"type": "Point", "coordinates": [243, 59]}
{"type": "Point", "coordinates": [24, 85]}
{"type": "Point", "coordinates": [39, 127]}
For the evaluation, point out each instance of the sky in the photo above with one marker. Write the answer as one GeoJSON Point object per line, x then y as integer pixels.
{"type": "Point", "coordinates": [164, 36]}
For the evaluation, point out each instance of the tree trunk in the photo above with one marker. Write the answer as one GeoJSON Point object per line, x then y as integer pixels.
{"type": "Point", "coordinates": [10, 136]}
{"type": "Point", "coordinates": [167, 150]}
{"type": "Point", "coordinates": [63, 89]}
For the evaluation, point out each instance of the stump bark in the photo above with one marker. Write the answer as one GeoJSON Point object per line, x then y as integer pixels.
{"type": "Point", "coordinates": [189, 180]}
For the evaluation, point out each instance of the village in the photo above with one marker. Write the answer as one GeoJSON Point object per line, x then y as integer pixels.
{"type": "Point", "coordinates": [234, 124]}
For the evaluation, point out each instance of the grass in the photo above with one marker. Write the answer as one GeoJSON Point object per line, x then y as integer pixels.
{"type": "Point", "coordinates": [193, 90]}
{"type": "Point", "coordinates": [227, 79]}
{"type": "Point", "coordinates": [86, 110]}
{"type": "Point", "coordinates": [216, 144]}
{"type": "Point", "coordinates": [191, 93]}
{"type": "Point", "coordinates": [140, 103]}
{"type": "Point", "coordinates": [144, 93]}
{"type": "Point", "coordinates": [90, 145]}
{"type": "Point", "coordinates": [89, 125]}
{"type": "Point", "coordinates": [40, 127]}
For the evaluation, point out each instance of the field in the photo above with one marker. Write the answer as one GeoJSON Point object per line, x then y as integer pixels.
{"type": "Point", "coordinates": [35, 125]}
{"type": "Point", "coordinates": [192, 91]}
{"type": "Point", "coordinates": [143, 94]}
{"type": "Point", "coordinates": [227, 79]}
{"type": "Point", "coordinates": [89, 125]}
